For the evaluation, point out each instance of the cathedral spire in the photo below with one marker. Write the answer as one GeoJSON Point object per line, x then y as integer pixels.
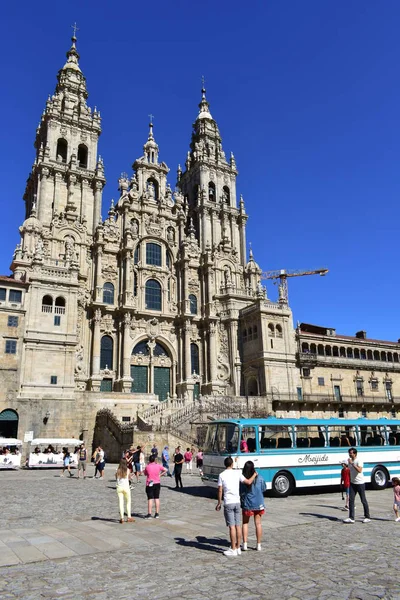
{"type": "Point", "coordinates": [204, 112]}
{"type": "Point", "coordinates": [151, 148]}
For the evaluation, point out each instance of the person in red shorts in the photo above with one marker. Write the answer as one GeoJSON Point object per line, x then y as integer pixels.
{"type": "Point", "coordinates": [252, 502]}
{"type": "Point", "coordinates": [345, 482]}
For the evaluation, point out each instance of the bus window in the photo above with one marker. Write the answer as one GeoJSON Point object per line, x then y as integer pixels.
{"type": "Point", "coordinates": [248, 439]}
{"type": "Point", "coordinates": [338, 435]}
{"type": "Point", "coordinates": [310, 436]}
{"type": "Point", "coordinates": [226, 441]}
{"type": "Point", "coordinates": [274, 437]}
{"type": "Point", "coordinates": [371, 436]}
{"type": "Point", "coordinates": [210, 439]}
{"type": "Point", "coordinates": [392, 436]}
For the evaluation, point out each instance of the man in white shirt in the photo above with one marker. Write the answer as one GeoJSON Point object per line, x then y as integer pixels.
{"type": "Point", "coordinates": [357, 486]}
{"type": "Point", "coordinates": [228, 484]}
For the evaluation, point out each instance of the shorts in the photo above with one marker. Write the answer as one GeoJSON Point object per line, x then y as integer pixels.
{"type": "Point", "coordinates": [252, 513]}
{"type": "Point", "coordinates": [232, 514]}
{"type": "Point", "coordinates": [153, 491]}
{"type": "Point", "coordinates": [82, 465]}
{"type": "Point", "coordinates": [137, 467]}
{"type": "Point", "coordinates": [199, 463]}
{"type": "Point", "coordinates": [396, 505]}
{"type": "Point", "coordinates": [100, 466]}
{"type": "Point", "coordinates": [346, 491]}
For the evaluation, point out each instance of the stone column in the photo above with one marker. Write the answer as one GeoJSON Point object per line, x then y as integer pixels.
{"type": "Point", "coordinates": [56, 199]}
{"type": "Point", "coordinates": [99, 277]}
{"type": "Point", "coordinates": [213, 352]}
{"type": "Point", "coordinates": [126, 355]}
{"type": "Point", "coordinates": [188, 370]}
{"type": "Point", "coordinates": [97, 204]}
{"type": "Point", "coordinates": [83, 206]}
{"type": "Point", "coordinates": [233, 331]}
{"type": "Point", "coordinates": [96, 342]}
{"type": "Point", "coordinates": [42, 195]}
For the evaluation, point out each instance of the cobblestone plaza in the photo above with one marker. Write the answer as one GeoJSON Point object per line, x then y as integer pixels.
{"type": "Point", "coordinates": [60, 538]}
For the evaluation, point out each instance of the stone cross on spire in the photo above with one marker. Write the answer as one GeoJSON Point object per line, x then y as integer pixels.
{"type": "Point", "coordinates": [75, 28]}
{"type": "Point", "coordinates": [151, 117]}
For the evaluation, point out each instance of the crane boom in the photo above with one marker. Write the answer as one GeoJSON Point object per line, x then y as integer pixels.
{"type": "Point", "coordinates": [283, 274]}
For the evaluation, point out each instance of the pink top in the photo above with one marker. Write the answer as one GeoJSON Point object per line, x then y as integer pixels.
{"type": "Point", "coordinates": [396, 491]}
{"type": "Point", "coordinates": [153, 471]}
{"type": "Point", "coordinates": [188, 456]}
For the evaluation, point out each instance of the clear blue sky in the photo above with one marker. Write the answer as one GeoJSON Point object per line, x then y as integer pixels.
{"type": "Point", "coordinates": [306, 94]}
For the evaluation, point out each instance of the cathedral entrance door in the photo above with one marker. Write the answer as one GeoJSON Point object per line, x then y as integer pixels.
{"type": "Point", "coordinates": [139, 376]}
{"type": "Point", "coordinates": [162, 382]}
{"type": "Point", "coordinates": [9, 423]}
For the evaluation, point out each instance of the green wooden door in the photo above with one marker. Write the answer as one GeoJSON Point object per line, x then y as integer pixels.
{"type": "Point", "coordinates": [161, 382]}
{"type": "Point", "coordinates": [139, 376]}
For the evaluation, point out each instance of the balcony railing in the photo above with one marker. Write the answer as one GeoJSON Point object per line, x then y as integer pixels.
{"type": "Point", "coordinates": [331, 399]}
{"type": "Point", "coordinates": [307, 358]}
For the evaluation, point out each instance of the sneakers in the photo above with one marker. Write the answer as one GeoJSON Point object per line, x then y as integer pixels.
{"type": "Point", "coordinates": [148, 516]}
{"type": "Point", "coordinates": [259, 547]}
{"type": "Point", "coordinates": [230, 552]}
{"type": "Point", "coordinates": [348, 520]}
{"type": "Point", "coordinates": [156, 516]}
{"type": "Point", "coordinates": [239, 552]}
{"type": "Point", "coordinates": [366, 520]}
{"type": "Point", "coordinates": [244, 546]}
{"type": "Point", "coordinates": [397, 520]}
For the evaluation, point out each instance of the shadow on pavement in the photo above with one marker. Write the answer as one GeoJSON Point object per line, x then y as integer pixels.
{"type": "Point", "coordinates": [203, 543]}
{"type": "Point", "coordinates": [308, 514]}
{"type": "Point", "coordinates": [199, 491]}
{"type": "Point", "coordinates": [103, 519]}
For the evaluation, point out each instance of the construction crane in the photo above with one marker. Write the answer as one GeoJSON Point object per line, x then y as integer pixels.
{"type": "Point", "coordinates": [283, 274]}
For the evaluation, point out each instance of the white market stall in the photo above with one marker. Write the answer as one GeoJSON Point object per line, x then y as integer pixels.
{"type": "Point", "coordinates": [10, 458]}
{"type": "Point", "coordinates": [41, 457]}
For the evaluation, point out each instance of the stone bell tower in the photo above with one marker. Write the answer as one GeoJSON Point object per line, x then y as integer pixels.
{"type": "Point", "coordinates": [67, 174]}
{"type": "Point", "coordinates": [63, 209]}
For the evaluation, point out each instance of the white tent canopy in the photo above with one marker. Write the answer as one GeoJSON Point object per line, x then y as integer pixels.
{"type": "Point", "coordinates": [56, 442]}
{"type": "Point", "coordinates": [10, 442]}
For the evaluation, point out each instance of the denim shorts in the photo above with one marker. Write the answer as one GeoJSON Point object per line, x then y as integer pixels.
{"type": "Point", "coordinates": [232, 514]}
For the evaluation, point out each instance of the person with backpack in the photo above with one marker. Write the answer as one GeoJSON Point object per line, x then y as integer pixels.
{"type": "Point", "coordinates": [252, 502]}
{"type": "Point", "coordinates": [100, 461]}
{"type": "Point", "coordinates": [136, 462]}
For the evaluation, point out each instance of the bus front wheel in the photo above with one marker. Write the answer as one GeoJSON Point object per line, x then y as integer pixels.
{"type": "Point", "coordinates": [283, 484]}
{"type": "Point", "coordinates": [379, 478]}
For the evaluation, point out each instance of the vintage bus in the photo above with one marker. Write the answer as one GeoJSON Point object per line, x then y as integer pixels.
{"type": "Point", "coordinates": [295, 453]}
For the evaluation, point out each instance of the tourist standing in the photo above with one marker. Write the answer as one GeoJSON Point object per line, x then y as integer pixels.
{"type": "Point", "coordinates": [357, 486]}
{"type": "Point", "coordinates": [396, 499]}
{"type": "Point", "coordinates": [66, 462]}
{"type": "Point", "coordinates": [123, 491]}
{"type": "Point", "coordinates": [82, 461]}
{"type": "Point", "coordinates": [252, 502]}
{"type": "Point", "coordinates": [136, 462]}
{"type": "Point", "coordinates": [178, 462]}
{"type": "Point", "coordinates": [228, 486]}
{"type": "Point", "coordinates": [153, 472]}
{"type": "Point", "coordinates": [345, 482]}
{"type": "Point", "coordinates": [165, 460]}
{"type": "Point", "coordinates": [100, 462]}
{"type": "Point", "coordinates": [199, 461]}
{"type": "Point", "coordinates": [142, 460]}
{"type": "Point", "coordinates": [188, 457]}
{"type": "Point", "coordinates": [154, 451]}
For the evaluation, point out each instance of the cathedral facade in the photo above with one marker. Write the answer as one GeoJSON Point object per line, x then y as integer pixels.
{"type": "Point", "coordinates": [160, 300]}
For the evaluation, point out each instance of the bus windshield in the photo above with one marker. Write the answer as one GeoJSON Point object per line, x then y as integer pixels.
{"type": "Point", "coordinates": [222, 438]}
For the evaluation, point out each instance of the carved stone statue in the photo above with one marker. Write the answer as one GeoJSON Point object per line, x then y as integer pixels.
{"type": "Point", "coordinates": [69, 248]}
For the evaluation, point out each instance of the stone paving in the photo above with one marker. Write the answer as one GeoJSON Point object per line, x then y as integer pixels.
{"type": "Point", "coordinates": [60, 538]}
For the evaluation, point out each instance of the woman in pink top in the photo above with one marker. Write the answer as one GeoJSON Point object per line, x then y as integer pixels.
{"type": "Point", "coordinates": [153, 472]}
{"type": "Point", "coordinates": [396, 499]}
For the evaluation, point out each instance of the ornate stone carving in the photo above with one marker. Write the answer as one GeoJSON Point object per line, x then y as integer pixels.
{"type": "Point", "coordinates": [154, 225]}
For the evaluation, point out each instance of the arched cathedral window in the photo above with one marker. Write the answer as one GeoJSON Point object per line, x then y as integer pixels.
{"type": "Point", "coordinates": [211, 191]}
{"type": "Point", "coordinates": [153, 295]}
{"type": "Point", "coordinates": [194, 358]}
{"type": "Point", "coordinates": [108, 293]}
{"type": "Point", "coordinates": [106, 352]}
{"type": "Point", "coordinates": [62, 150]}
{"type": "Point", "coordinates": [82, 156]}
{"type": "Point", "coordinates": [226, 194]}
{"type": "Point", "coordinates": [193, 304]}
